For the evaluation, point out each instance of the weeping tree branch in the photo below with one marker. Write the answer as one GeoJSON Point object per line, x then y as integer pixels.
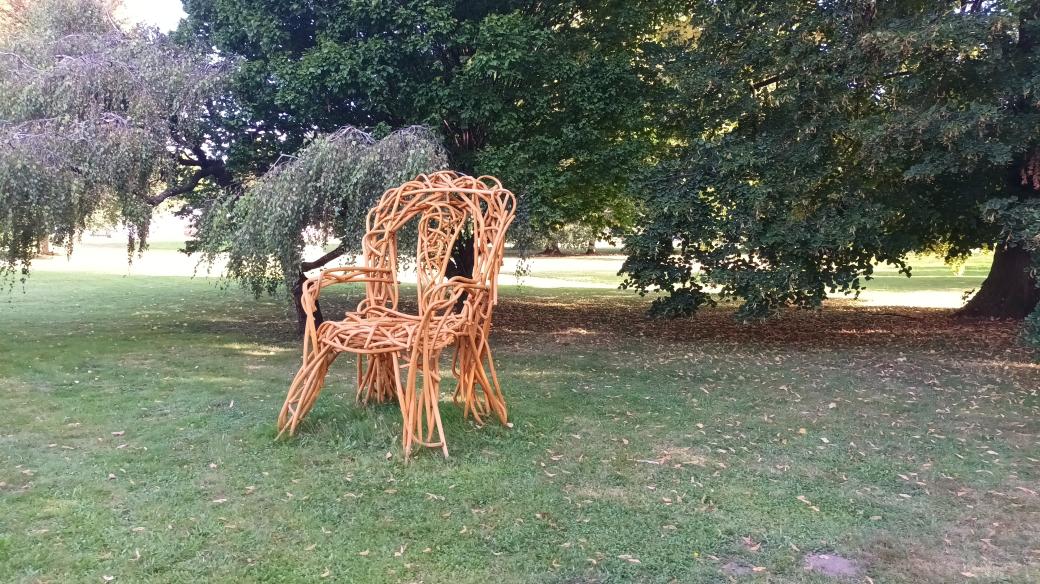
{"type": "Point", "coordinates": [320, 262]}
{"type": "Point", "coordinates": [190, 185]}
{"type": "Point", "coordinates": [327, 188]}
{"type": "Point", "coordinates": [92, 117]}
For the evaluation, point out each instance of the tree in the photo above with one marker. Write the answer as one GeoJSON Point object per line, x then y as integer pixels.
{"type": "Point", "coordinates": [822, 137]}
{"type": "Point", "coordinates": [323, 192]}
{"type": "Point", "coordinates": [553, 97]}
{"type": "Point", "coordinates": [95, 122]}
{"type": "Point", "coordinates": [101, 124]}
{"type": "Point", "coordinates": [1021, 229]}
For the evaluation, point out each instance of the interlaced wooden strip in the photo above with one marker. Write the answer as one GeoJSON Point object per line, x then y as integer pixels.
{"type": "Point", "coordinates": [452, 311]}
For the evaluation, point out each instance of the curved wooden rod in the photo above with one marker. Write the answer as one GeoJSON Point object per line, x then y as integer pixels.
{"type": "Point", "coordinates": [453, 312]}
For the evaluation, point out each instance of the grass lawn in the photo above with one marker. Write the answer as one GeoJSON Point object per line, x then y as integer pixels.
{"type": "Point", "coordinates": [929, 273]}
{"type": "Point", "coordinates": [138, 446]}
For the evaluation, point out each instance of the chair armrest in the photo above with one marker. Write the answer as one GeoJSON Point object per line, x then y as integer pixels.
{"type": "Point", "coordinates": [311, 289]}
{"type": "Point", "coordinates": [341, 275]}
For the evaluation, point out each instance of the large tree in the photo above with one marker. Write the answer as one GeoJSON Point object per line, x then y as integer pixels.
{"type": "Point", "coordinates": [553, 97]}
{"type": "Point", "coordinates": [319, 194]}
{"type": "Point", "coordinates": [101, 124]}
{"type": "Point", "coordinates": [96, 122]}
{"type": "Point", "coordinates": [821, 137]}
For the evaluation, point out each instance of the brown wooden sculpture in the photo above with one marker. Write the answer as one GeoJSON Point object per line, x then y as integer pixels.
{"type": "Point", "coordinates": [452, 310]}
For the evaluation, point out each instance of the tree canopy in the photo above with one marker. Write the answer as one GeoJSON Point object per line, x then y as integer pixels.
{"type": "Point", "coordinates": [554, 98]}
{"type": "Point", "coordinates": [321, 193]}
{"type": "Point", "coordinates": [768, 151]}
{"type": "Point", "coordinates": [817, 138]}
{"type": "Point", "coordinates": [93, 123]}
{"type": "Point", "coordinates": [99, 124]}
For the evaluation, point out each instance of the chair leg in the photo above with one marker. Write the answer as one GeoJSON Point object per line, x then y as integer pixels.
{"type": "Point", "coordinates": [305, 389]}
{"type": "Point", "coordinates": [420, 406]}
{"type": "Point", "coordinates": [470, 354]}
{"type": "Point", "coordinates": [377, 378]}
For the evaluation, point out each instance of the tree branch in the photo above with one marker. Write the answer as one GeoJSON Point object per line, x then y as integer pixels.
{"type": "Point", "coordinates": [297, 288]}
{"type": "Point", "coordinates": [784, 76]}
{"type": "Point", "coordinates": [774, 79]}
{"type": "Point", "coordinates": [308, 266]}
{"type": "Point", "coordinates": [181, 189]}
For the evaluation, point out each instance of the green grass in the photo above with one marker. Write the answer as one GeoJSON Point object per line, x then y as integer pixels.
{"type": "Point", "coordinates": [153, 246]}
{"type": "Point", "coordinates": [929, 274]}
{"type": "Point", "coordinates": [138, 443]}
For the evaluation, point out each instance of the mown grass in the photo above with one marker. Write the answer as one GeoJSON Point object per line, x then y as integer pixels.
{"type": "Point", "coordinates": [929, 273]}
{"type": "Point", "coordinates": [138, 445]}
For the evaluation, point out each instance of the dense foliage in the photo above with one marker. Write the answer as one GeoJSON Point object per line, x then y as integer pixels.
{"type": "Point", "coordinates": [322, 192]}
{"type": "Point", "coordinates": [821, 137]}
{"type": "Point", "coordinates": [781, 148]}
{"type": "Point", "coordinates": [93, 120]}
{"type": "Point", "coordinates": [555, 98]}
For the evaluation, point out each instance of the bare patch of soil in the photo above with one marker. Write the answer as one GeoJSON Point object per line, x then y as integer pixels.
{"type": "Point", "coordinates": [832, 565]}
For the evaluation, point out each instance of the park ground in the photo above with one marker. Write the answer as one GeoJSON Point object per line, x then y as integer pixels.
{"type": "Point", "coordinates": [138, 440]}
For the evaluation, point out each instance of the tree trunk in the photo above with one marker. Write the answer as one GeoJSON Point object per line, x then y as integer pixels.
{"type": "Point", "coordinates": [297, 289]}
{"type": "Point", "coordinates": [552, 249]}
{"type": "Point", "coordinates": [461, 264]}
{"type": "Point", "coordinates": [45, 246]}
{"type": "Point", "coordinates": [1008, 291]}
{"type": "Point", "coordinates": [301, 314]}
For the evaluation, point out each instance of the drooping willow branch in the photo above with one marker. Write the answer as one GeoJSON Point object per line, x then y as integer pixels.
{"type": "Point", "coordinates": [93, 124]}
{"type": "Point", "coordinates": [316, 196]}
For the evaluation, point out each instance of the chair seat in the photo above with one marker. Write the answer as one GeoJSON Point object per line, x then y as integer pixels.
{"type": "Point", "coordinates": [385, 331]}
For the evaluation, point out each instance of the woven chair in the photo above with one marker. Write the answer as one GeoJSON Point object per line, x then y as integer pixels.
{"type": "Point", "coordinates": [452, 311]}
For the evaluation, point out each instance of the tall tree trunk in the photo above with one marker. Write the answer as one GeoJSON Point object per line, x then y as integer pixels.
{"type": "Point", "coordinates": [297, 289]}
{"type": "Point", "coordinates": [552, 249]}
{"type": "Point", "coordinates": [45, 246]}
{"type": "Point", "coordinates": [462, 258]}
{"type": "Point", "coordinates": [1008, 291]}
{"type": "Point", "coordinates": [301, 314]}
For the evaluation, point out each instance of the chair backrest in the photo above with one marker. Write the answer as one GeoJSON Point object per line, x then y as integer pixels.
{"type": "Point", "coordinates": [446, 204]}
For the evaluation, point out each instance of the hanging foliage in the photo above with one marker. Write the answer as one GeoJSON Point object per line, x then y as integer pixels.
{"type": "Point", "coordinates": [322, 193]}
{"type": "Point", "coordinates": [96, 122]}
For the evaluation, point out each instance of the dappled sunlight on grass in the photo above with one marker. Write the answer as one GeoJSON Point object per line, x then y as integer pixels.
{"type": "Point", "coordinates": [254, 350]}
{"type": "Point", "coordinates": [918, 299]}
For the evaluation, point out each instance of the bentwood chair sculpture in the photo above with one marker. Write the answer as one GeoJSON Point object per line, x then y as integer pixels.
{"type": "Point", "coordinates": [452, 311]}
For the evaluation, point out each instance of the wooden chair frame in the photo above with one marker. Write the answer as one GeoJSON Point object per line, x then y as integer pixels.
{"type": "Point", "coordinates": [451, 311]}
